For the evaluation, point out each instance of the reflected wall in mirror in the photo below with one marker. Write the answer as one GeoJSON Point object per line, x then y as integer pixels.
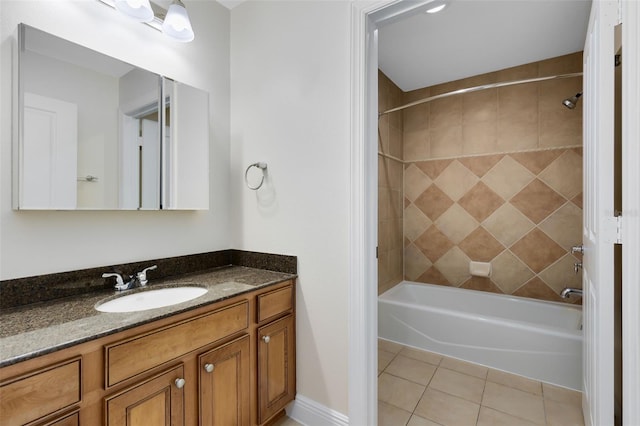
{"type": "Point", "coordinates": [97, 133]}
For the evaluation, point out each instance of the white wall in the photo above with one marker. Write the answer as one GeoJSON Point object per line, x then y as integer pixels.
{"type": "Point", "coordinates": [33, 243]}
{"type": "Point", "coordinates": [290, 108]}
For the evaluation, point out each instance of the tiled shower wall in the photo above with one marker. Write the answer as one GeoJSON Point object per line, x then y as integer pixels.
{"type": "Point", "coordinates": [390, 250]}
{"type": "Point", "coordinates": [495, 176]}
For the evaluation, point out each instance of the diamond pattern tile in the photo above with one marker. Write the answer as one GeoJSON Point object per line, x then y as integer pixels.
{"type": "Point", "coordinates": [433, 168]}
{"type": "Point", "coordinates": [416, 263]}
{"type": "Point", "coordinates": [508, 272]}
{"type": "Point", "coordinates": [537, 250]}
{"type": "Point", "coordinates": [433, 243]}
{"type": "Point", "coordinates": [537, 289]}
{"type": "Point", "coordinates": [482, 164]}
{"type": "Point", "coordinates": [561, 274]}
{"type": "Point", "coordinates": [455, 180]}
{"type": "Point", "coordinates": [433, 276]}
{"type": "Point", "coordinates": [507, 224]}
{"type": "Point", "coordinates": [537, 161]}
{"type": "Point", "coordinates": [518, 177]}
{"type": "Point", "coordinates": [564, 174]}
{"type": "Point", "coordinates": [564, 226]}
{"type": "Point", "coordinates": [480, 201]}
{"type": "Point", "coordinates": [577, 200]}
{"type": "Point", "coordinates": [454, 265]}
{"type": "Point", "coordinates": [481, 284]}
{"type": "Point", "coordinates": [537, 201]}
{"type": "Point", "coordinates": [433, 202]}
{"type": "Point", "coordinates": [481, 246]}
{"type": "Point", "coordinates": [415, 222]}
{"type": "Point", "coordinates": [456, 223]}
{"type": "Point", "coordinates": [415, 182]}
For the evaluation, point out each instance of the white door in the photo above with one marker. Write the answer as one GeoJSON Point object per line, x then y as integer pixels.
{"type": "Point", "coordinates": [48, 173]}
{"type": "Point", "coordinates": [599, 232]}
{"type": "Point", "coordinates": [150, 162]}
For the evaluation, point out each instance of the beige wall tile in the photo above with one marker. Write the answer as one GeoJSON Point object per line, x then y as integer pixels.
{"type": "Point", "coordinates": [558, 130]}
{"type": "Point", "coordinates": [480, 107]}
{"type": "Point", "coordinates": [433, 243]}
{"type": "Point", "coordinates": [479, 137]}
{"type": "Point", "coordinates": [509, 272]}
{"type": "Point", "coordinates": [537, 161]}
{"type": "Point", "coordinates": [537, 201]}
{"type": "Point", "coordinates": [433, 168]}
{"type": "Point", "coordinates": [537, 250]}
{"type": "Point", "coordinates": [564, 174]}
{"type": "Point", "coordinates": [480, 246]}
{"type": "Point", "coordinates": [454, 265]}
{"type": "Point", "coordinates": [433, 202]}
{"type": "Point", "coordinates": [433, 276]}
{"type": "Point", "coordinates": [481, 284]}
{"type": "Point", "coordinates": [520, 72]}
{"type": "Point", "coordinates": [508, 177]}
{"type": "Point", "coordinates": [519, 103]}
{"type": "Point", "coordinates": [515, 135]}
{"type": "Point", "coordinates": [416, 145]}
{"type": "Point", "coordinates": [415, 222]}
{"type": "Point", "coordinates": [445, 141]}
{"type": "Point", "coordinates": [564, 226]}
{"type": "Point", "coordinates": [415, 262]}
{"type": "Point", "coordinates": [480, 165]}
{"type": "Point", "coordinates": [445, 112]}
{"type": "Point", "coordinates": [481, 201]}
{"type": "Point", "coordinates": [415, 182]}
{"type": "Point", "coordinates": [456, 180]}
{"type": "Point", "coordinates": [508, 224]}
{"type": "Point", "coordinates": [456, 223]}
{"type": "Point", "coordinates": [561, 65]}
{"type": "Point", "coordinates": [537, 289]}
{"type": "Point", "coordinates": [561, 274]}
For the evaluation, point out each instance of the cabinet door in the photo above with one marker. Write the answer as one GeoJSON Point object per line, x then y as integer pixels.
{"type": "Point", "coordinates": [276, 367]}
{"type": "Point", "coordinates": [158, 401]}
{"type": "Point", "coordinates": [225, 385]}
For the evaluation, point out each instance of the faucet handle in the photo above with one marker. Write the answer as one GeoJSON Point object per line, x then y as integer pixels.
{"type": "Point", "coordinates": [142, 275]}
{"type": "Point", "coordinates": [119, 281]}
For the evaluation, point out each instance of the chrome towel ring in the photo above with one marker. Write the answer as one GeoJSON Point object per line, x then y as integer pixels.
{"type": "Point", "coordinates": [262, 167]}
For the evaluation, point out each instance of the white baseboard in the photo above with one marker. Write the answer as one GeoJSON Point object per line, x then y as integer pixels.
{"type": "Point", "coordinates": [311, 413]}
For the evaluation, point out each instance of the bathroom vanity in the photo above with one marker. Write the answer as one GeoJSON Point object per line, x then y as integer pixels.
{"type": "Point", "coordinates": [225, 358]}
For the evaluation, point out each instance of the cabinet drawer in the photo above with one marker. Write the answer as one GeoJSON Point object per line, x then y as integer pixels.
{"type": "Point", "coordinates": [40, 393]}
{"type": "Point", "coordinates": [136, 355]}
{"type": "Point", "coordinates": [274, 303]}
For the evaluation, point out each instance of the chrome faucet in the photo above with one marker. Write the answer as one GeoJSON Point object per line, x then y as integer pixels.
{"type": "Point", "coordinates": [568, 291]}
{"type": "Point", "coordinates": [137, 280]}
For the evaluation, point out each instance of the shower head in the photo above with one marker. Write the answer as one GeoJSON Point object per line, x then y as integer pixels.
{"type": "Point", "coordinates": [572, 101]}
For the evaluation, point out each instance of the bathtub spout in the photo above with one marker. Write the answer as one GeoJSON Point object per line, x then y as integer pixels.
{"type": "Point", "coordinates": [568, 291]}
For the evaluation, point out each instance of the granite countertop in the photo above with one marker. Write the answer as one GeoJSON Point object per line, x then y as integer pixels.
{"type": "Point", "coordinates": [33, 330]}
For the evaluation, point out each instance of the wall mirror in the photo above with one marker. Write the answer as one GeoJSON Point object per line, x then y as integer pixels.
{"type": "Point", "coordinates": [96, 133]}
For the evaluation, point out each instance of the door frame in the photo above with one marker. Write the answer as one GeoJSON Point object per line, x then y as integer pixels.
{"type": "Point", "coordinates": [630, 17]}
{"type": "Point", "coordinates": [363, 219]}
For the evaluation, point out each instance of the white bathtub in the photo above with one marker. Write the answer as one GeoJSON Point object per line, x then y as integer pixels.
{"type": "Point", "coordinates": [535, 339]}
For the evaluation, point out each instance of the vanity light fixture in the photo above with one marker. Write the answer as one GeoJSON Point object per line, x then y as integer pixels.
{"type": "Point", "coordinates": [138, 10]}
{"type": "Point", "coordinates": [436, 6]}
{"type": "Point", "coordinates": [177, 24]}
{"type": "Point", "coordinates": [173, 22]}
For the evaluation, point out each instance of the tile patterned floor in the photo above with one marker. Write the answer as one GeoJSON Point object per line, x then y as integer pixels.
{"type": "Point", "coordinates": [417, 388]}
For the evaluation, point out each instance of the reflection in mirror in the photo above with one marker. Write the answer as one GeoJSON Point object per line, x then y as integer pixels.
{"type": "Point", "coordinates": [95, 132]}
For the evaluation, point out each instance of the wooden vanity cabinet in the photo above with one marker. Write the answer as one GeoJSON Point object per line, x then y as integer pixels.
{"type": "Point", "coordinates": [276, 367]}
{"type": "Point", "coordinates": [158, 401]}
{"type": "Point", "coordinates": [229, 363]}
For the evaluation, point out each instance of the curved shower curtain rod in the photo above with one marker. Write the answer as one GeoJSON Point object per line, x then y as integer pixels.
{"type": "Point", "coordinates": [477, 88]}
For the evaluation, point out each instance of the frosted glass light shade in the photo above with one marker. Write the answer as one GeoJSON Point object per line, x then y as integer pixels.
{"type": "Point", "coordinates": [139, 10]}
{"type": "Point", "coordinates": [177, 24]}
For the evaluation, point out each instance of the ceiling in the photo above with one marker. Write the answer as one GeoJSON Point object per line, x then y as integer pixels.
{"type": "Point", "coordinates": [471, 37]}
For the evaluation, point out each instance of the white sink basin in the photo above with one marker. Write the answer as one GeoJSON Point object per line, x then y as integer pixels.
{"type": "Point", "coordinates": [150, 299]}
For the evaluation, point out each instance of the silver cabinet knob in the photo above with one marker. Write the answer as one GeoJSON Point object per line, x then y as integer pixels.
{"type": "Point", "coordinates": [208, 368]}
{"type": "Point", "coordinates": [266, 339]}
{"type": "Point", "coordinates": [577, 249]}
{"type": "Point", "coordinates": [180, 383]}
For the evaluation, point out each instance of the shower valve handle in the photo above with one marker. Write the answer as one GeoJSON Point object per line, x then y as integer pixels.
{"type": "Point", "coordinates": [577, 249]}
